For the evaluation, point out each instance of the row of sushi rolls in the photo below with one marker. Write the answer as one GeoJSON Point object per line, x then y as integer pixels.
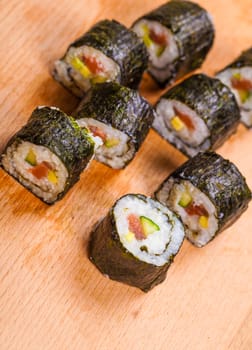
{"type": "Point", "coordinates": [140, 236]}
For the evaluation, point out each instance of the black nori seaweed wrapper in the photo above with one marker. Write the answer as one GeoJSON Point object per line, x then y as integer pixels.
{"type": "Point", "coordinates": [193, 32]}
{"type": "Point", "coordinates": [220, 180]}
{"type": "Point", "coordinates": [114, 260]}
{"type": "Point", "coordinates": [53, 129]}
{"type": "Point", "coordinates": [120, 44]}
{"type": "Point", "coordinates": [244, 60]}
{"type": "Point", "coordinates": [213, 101]}
{"type": "Point", "coordinates": [120, 107]}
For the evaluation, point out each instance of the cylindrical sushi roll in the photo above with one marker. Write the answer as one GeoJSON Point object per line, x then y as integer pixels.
{"type": "Point", "coordinates": [120, 117]}
{"type": "Point", "coordinates": [208, 193]}
{"type": "Point", "coordinates": [196, 115]}
{"type": "Point", "coordinates": [48, 154]}
{"type": "Point", "coordinates": [238, 76]}
{"type": "Point", "coordinates": [178, 36]}
{"type": "Point", "coordinates": [136, 242]}
{"type": "Point", "coordinates": [107, 52]}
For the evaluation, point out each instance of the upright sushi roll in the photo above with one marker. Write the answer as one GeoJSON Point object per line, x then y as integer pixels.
{"type": "Point", "coordinates": [197, 115]}
{"type": "Point", "coordinates": [107, 52]}
{"type": "Point", "coordinates": [136, 242]}
{"type": "Point", "coordinates": [120, 117]}
{"type": "Point", "coordinates": [238, 76]}
{"type": "Point", "coordinates": [178, 36]}
{"type": "Point", "coordinates": [48, 154]}
{"type": "Point", "coordinates": [208, 193]}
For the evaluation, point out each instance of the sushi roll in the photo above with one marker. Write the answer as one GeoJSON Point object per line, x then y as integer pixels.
{"type": "Point", "coordinates": [48, 154]}
{"type": "Point", "coordinates": [208, 193]}
{"type": "Point", "coordinates": [238, 76]}
{"type": "Point", "coordinates": [107, 52]}
{"type": "Point", "coordinates": [136, 242]}
{"type": "Point", "coordinates": [178, 36]}
{"type": "Point", "coordinates": [197, 115]}
{"type": "Point", "coordinates": [120, 117]}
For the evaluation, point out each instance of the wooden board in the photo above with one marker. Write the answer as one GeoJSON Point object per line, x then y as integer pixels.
{"type": "Point", "coordinates": [51, 296]}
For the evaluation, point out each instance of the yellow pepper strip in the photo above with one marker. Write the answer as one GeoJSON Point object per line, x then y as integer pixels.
{"type": "Point", "coordinates": [80, 67]}
{"type": "Point", "coordinates": [51, 176]}
{"type": "Point", "coordinates": [237, 75]}
{"type": "Point", "coordinates": [129, 236]}
{"type": "Point", "coordinates": [203, 221]}
{"type": "Point", "coordinates": [177, 123]}
{"type": "Point", "coordinates": [146, 36]}
{"type": "Point", "coordinates": [145, 29]}
{"type": "Point", "coordinates": [98, 79]}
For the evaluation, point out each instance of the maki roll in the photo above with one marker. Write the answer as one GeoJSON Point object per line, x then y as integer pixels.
{"type": "Point", "coordinates": [107, 52]}
{"type": "Point", "coordinates": [120, 117]}
{"type": "Point", "coordinates": [178, 36]}
{"type": "Point", "coordinates": [208, 193]}
{"type": "Point", "coordinates": [136, 242]}
{"type": "Point", "coordinates": [238, 76]}
{"type": "Point", "coordinates": [197, 115]}
{"type": "Point", "coordinates": [48, 154]}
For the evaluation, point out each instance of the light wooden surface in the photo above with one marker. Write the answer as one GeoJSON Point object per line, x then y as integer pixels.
{"type": "Point", "coordinates": [51, 296]}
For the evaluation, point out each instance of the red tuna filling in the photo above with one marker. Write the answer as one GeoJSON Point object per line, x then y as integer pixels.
{"type": "Point", "coordinates": [93, 65]}
{"type": "Point", "coordinates": [185, 119]}
{"type": "Point", "coordinates": [135, 226]}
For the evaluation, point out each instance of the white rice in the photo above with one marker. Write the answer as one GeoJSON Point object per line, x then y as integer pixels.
{"type": "Point", "coordinates": [159, 246]}
{"type": "Point", "coordinates": [159, 66]}
{"type": "Point", "coordinates": [171, 51]}
{"type": "Point", "coordinates": [14, 163]}
{"type": "Point", "coordinates": [189, 141]}
{"type": "Point", "coordinates": [246, 107]}
{"type": "Point", "coordinates": [65, 73]}
{"type": "Point", "coordinates": [117, 156]}
{"type": "Point", "coordinates": [61, 73]}
{"type": "Point", "coordinates": [170, 194]}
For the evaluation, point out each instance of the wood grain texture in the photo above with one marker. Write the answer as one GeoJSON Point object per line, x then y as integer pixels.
{"type": "Point", "coordinates": [51, 296]}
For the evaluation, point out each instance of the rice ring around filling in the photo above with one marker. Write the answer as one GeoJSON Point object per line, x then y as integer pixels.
{"type": "Point", "coordinates": [163, 239]}
{"type": "Point", "coordinates": [97, 68]}
{"type": "Point", "coordinates": [193, 131]}
{"type": "Point", "coordinates": [116, 149]}
{"type": "Point", "coordinates": [239, 80]}
{"type": "Point", "coordinates": [159, 41]}
{"type": "Point", "coordinates": [28, 162]}
{"type": "Point", "coordinates": [198, 215]}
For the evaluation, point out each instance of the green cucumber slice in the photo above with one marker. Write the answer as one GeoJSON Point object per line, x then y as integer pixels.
{"type": "Point", "coordinates": [111, 143]}
{"type": "Point", "coordinates": [80, 67]}
{"type": "Point", "coordinates": [185, 199]}
{"type": "Point", "coordinates": [244, 95]}
{"type": "Point", "coordinates": [160, 50]}
{"type": "Point", "coordinates": [237, 75]}
{"type": "Point", "coordinates": [31, 158]}
{"type": "Point", "coordinates": [148, 225]}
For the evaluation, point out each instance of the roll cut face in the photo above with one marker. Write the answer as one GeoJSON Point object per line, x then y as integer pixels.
{"type": "Point", "coordinates": [48, 154]}
{"type": "Point", "coordinates": [178, 36]}
{"type": "Point", "coordinates": [198, 114]}
{"type": "Point", "coordinates": [238, 76]}
{"type": "Point", "coordinates": [208, 193]}
{"type": "Point", "coordinates": [136, 242]}
{"type": "Point", "coordinates": [107, 52]}
{"type": "Point", "coordinates": [120, 117]}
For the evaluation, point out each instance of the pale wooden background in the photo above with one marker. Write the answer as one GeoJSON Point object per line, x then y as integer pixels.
{"type": "Point", "coordinates": [51, 296]}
